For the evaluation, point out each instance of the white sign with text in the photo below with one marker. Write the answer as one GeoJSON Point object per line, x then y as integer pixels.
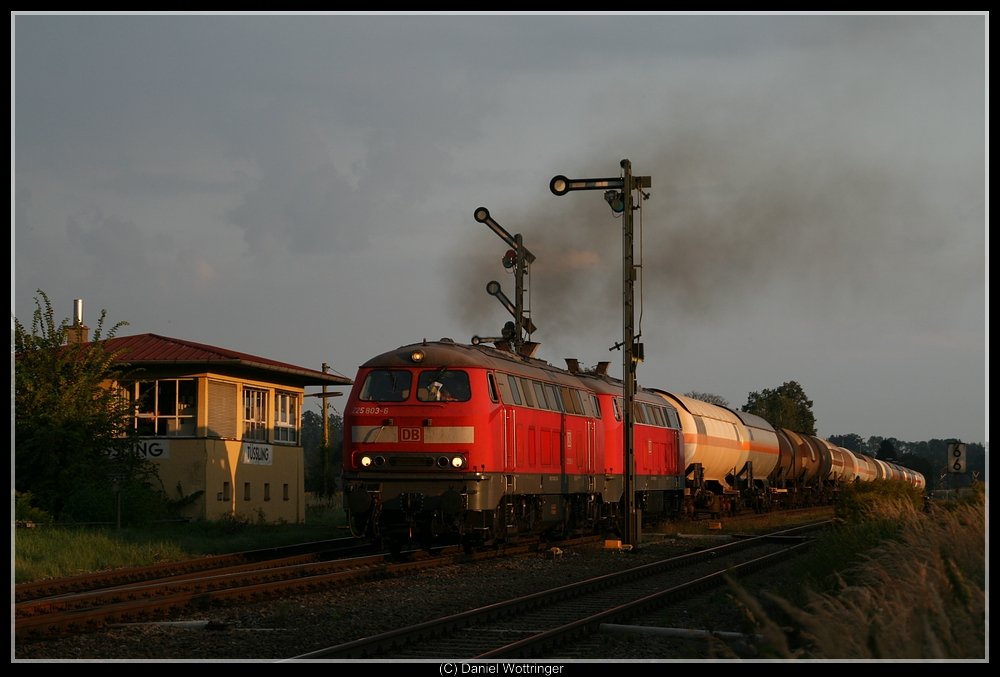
{"type": "Point", "coordinates": [256, 453]}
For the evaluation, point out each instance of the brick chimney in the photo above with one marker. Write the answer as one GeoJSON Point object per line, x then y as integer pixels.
{"type": "Point", "coordinates": [77, 332]}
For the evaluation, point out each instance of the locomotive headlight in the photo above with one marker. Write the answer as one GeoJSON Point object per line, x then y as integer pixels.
{"type": "Point", "coordinates": [457, 462]}
{"type": "Point", "coordinates": [366, 461]}
{"type": "Point", "coordinates": [417, 356]}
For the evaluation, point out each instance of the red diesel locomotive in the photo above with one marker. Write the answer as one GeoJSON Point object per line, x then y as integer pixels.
{"type": "Point", "coordinates": [453, 442]}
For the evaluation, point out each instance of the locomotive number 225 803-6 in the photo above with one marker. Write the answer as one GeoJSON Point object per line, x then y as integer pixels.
{"type": "Point", "coordinates": [370, 411]}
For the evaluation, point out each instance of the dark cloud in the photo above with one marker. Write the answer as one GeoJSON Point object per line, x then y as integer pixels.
{"type": "Point", "coordinates": [817, 204]}
{"type": "Point", "coordinates": [730, 216]}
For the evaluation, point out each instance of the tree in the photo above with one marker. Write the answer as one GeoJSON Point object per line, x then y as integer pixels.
{"type": "Point", "coordinates": [73, 438]}
{"type": "Point", "coordinates": [921, 465]}
{"type": "Point", "coordinates": [851, 441]}
{"type": "Point", "coordinates": [784, 407]}
{"type": "Point", "coordinates": [312, 447]}
{"type": "Point", "coordinates": [718, 400]}
{"type": "Point", "coordinates": [888, 449]}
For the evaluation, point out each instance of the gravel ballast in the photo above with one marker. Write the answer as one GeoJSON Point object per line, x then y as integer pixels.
{"type": "Point", "coordinates": [292, 626]}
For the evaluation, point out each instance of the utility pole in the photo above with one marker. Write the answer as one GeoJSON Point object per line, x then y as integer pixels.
{"type": "Point", "coordinates": [326, 441]}
{"type": "Point", "coordinates": [628, 364]}
{"type": "Point", "coordinates": [618, 195]}
{"type": "Point", "coordinates": [326, 487]}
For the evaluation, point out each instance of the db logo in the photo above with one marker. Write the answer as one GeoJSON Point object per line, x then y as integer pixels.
{"type": "Point", "coordinates": [410, 434]}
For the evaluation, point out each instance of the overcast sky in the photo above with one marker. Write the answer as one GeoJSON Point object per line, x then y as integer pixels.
{"type": "Point", "coordinates": [302, 187]}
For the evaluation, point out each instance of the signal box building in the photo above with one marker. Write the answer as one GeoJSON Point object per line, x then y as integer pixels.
{"type": "Point", "coordinates": [223, 427]}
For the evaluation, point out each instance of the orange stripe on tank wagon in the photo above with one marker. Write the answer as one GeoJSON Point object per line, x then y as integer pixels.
{"type": "Point", "coordinates": [761, 450]}
{"type": "Point", "coordinates": [695, 438]}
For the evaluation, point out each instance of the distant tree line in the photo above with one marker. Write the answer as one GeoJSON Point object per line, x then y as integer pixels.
{"type": "Point", "coordinates": [930, 457]}
{"type": "Point", "coordinates": [322, 463]}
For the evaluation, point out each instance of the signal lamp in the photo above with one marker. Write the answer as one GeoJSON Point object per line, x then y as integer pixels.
{"type": "Point", "coordinates": [616, 200]}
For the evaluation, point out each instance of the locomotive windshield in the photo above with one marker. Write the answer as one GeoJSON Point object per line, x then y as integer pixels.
{"type": "Point", "coordinates": [443, 385]}
{"type": "Point", "coordinates": [386, 385]}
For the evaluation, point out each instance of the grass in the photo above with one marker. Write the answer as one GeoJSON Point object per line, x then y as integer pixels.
{"type": "Point", "coordinates": [914, 588]}
{"type": "Point", "coordinates": [55, 551]}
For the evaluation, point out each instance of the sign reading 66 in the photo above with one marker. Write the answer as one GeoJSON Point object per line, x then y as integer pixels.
{"type": "Point", "coordinates": [956, 457]}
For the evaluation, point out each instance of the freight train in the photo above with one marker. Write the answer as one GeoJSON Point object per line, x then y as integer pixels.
{"type": "Point", "coordinates": [451, 442]}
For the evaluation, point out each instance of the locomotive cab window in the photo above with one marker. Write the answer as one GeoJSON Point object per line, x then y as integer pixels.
{"type": "Point", "coordinates": [444, 385]}
{"type": "Point", "coordinates": [386, 385]}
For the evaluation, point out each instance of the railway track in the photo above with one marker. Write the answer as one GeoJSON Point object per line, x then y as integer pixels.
{"type": "Point", "coordinates": [94, 604]}
{"type": "Point", "coordinates": [537, 625]}
{"type": "Point", "coordinates": [278, 556]}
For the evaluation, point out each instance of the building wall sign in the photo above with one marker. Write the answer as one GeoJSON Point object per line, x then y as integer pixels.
{"type": "Point", "coordinates": [153, 449]}
{"type": "Point", "coordinates": [256, 453]}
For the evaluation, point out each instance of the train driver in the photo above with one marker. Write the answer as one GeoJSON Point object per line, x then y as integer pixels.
{"type": "Point", "coordinates": [450, 386]}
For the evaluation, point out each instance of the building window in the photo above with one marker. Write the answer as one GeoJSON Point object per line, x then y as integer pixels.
{"type": "Point", "coordinates": [165, 407]}
{"type": "Point", "coordinates": [267, 491]}
{"type": "Point", "coordinates": [223, 408]}
{"type": "Point", "coordinates": [285, 490]}
{"type": "Point", "coordinates": [227, 494]}
{"type": "Point", "coordinates": [255, 414]}
{"type": "Point", "coordinates": [246, 491]}
{"type": "Point", "coordinates": [286, 417]}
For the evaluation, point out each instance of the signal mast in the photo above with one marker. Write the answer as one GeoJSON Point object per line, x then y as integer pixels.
{"type": "Point", "coordinates": [517, 258]}
{"type": "Point", "coordinates": [619, 194]}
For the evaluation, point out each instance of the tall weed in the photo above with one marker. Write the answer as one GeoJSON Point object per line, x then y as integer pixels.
{"type": "Point", "coordinates": [918, 595]}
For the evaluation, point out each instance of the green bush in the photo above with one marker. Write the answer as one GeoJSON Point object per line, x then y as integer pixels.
{"type": "Point", "coordinates": [26, 513]}
{"type": "Point", "coordinates": [881, 499]}
{"type": "Point", "coordinates": [97, 501]}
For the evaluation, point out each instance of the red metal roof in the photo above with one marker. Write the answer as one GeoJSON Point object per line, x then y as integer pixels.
{"type": "Point", "coordinates": [152, 349]}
